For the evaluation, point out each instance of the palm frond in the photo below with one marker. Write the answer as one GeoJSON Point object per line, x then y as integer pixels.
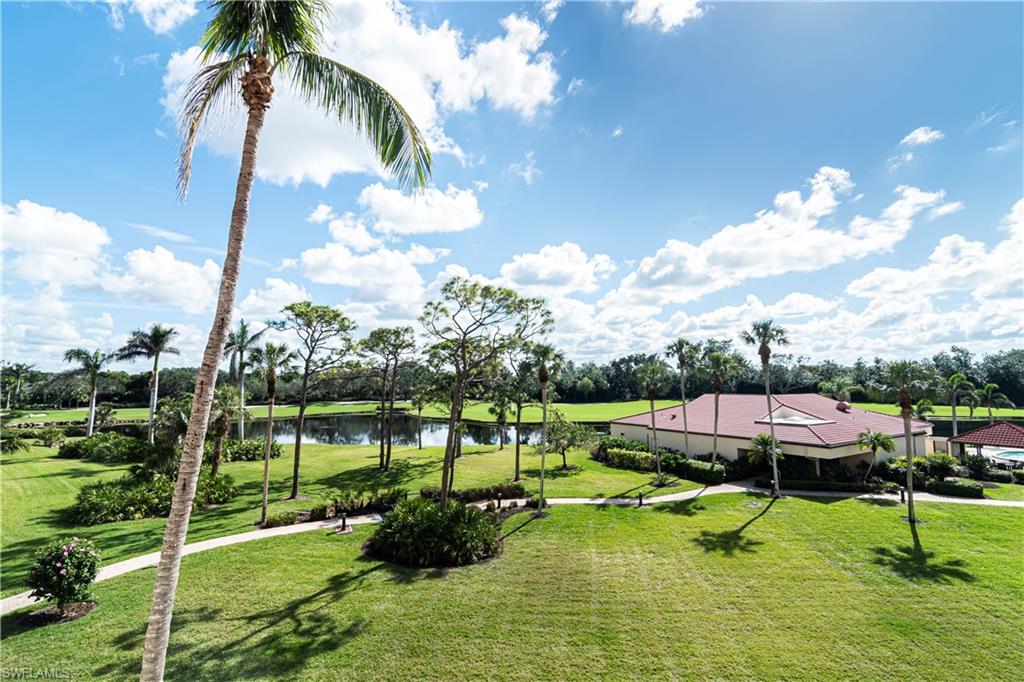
{"type": "Point", "coordinates": [264, 27]}
{"type": "Point", "coordinates": [202, 94]}
{"type": "Point", "coordinates": [368, 107]}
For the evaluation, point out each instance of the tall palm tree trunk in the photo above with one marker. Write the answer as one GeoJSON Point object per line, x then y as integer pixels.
{"type": "Point", "coordinates": [654, 438]}
{"type": "Point", "coordinates": [266, 458]}
{"type": "Point", "coordinates": [519, 423]}
{"type": "Point", "coordinates": [952, 407]}
{"type": "Point", "coordinates": [241, 395]}
{"type": "Point", "coordinates": [714, 438]}
{"type": "Point", "coordinates": [257, 92]}
{"type": "Point", "coordinates": [391, 418]}
{"type": "Point", "coordinates": [298, 433]}
{"type": "Point", "coordinates": [92, 408]}
{"type": "Point", "coordinates": [905, 409]}
{"type": "Point", "coordinates": [382, 417]}
{"type": "Point", "coordinates": [154, 392]}
{"type": "Point", "coordinates": [682, 394]}
{"type": "Point", "coordinates": [771, 426]}
{"type": "Point", "coordinates": [543, 441]}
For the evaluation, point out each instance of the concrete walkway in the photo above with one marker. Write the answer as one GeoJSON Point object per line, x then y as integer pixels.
{"type": "Point", "coordinates": [23, 599]}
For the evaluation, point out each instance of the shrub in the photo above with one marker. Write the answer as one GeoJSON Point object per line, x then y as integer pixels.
{"type": "Point", "coordinates": [606, 443]}
{"type": "Point", "coordinates": [833, 486]}
{"type": "Point", "coordinates": [507, 491]}
{"type": "Point", "coordinates": [285, 518]}
{"type": "Point", "coordinates": [956, 488]}
{"type": "Point", "coordinates": [1018, 476]}
{"type": "Point", "coordinates": [11, 442]}
{"type": "Point", "coordinates": [939, 465]}
{"type": "Point", "coordinates": [249, 450]}
{"type": "Point", "coordinates": [321, 511]}
{"type": "Point", "coordinates": [976, 464]}
{"type": "Point", "coordinates": [895, 469]}
{"type": "Point", "coordinates": [996, 476]}
{"type": "Point", "coordinates": [376, 502]}
{"type": "Point", "coordinates": [64, 570]}
{"type": "Point", "coordinates": [133, 497]}
{"type": "Point", "coordinates": [50, 437]}
{"type": "Point", "coordinates": [109, 448]}
{"type": "Point", "coordinates": [420, 532]}
{"type": "Point", "coordinates": [629, 459]}
{"type": "Point", "coordinates": [694, 469]}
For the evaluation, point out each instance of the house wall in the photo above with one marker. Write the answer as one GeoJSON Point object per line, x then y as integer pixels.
{"type": "Point", "coordinates": [730, 448]}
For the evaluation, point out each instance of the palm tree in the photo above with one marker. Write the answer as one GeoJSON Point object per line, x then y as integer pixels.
{"type": "Point", "coordinates": [840, 388]}
{"type": "Point", "coordinates": [686, 353]}
{"type": "Point", "coordinates": [17, 373]}
{"type": "Point", "coordinates": [989, 397]}
{"type": "Point", "coordinates": [269, 360]}
{"type": "Point", "coordinates": [874, 441]}
{"type": "Point", "coordinates": [546, 359]}
{"type": "Point", "coordinates": [243, 48]}
{"type": "Point", "coordinates": [764, 334]}
{"type": "Point", "coordinates": [903, 380]}
{"type": "Point", "coordinates": [151, 343]}
{"type": "Point", "coordinates": [650, 378]}
{"type": "Point", "coordinates": [955, 387]}
{"type": "Point", "coordinates": [241, 340]}
{"type": "Point", "coordinates": [763, 448]}
{"type": "Point", "coordinates": [92, 363]}
{"type": "Point", "coordinates": [225, 406]}
{"type": "Point", "coordinates": [722, 368]}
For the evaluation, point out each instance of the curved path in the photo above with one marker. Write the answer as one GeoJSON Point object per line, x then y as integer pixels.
{"type": "Point", "coordinates": [24, 599]}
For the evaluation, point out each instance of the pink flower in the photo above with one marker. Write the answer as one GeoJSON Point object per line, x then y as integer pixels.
{"type": "Point", "coordinates": [63, 572]}
{"type": "Point", "coordinates": [58, 564]}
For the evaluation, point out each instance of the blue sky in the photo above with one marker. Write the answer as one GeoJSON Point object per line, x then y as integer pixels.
{"type": "Point", "coordinates": [653, 169]}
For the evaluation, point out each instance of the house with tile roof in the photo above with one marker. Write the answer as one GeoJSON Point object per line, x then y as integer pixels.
{"type": "Point", "coordinates": [806, 425]}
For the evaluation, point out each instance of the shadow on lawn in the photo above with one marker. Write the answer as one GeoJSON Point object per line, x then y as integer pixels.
{"type": "Point", "coordinates": [915, 563]}
{"type": "Point", "coordinates": [275, 642]}
{"type": "Point", "coordinates": [731, 542]}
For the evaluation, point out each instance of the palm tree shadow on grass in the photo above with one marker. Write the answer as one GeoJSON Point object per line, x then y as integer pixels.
{"type": "Point", "coordinates": [914, 563]}
{"type": "Point", "coordinates": [274, 641]}
{"type": "Point", "coordinates": [731, 542]}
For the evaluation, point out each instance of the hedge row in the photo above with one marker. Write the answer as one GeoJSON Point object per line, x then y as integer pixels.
{"type": "Point", "coordinates": [249, 450]}
{"type": "Point", "coordinates": [956, 488]}
{"type": "Point", "coordinates": [506, 491]}
{"type": "Point", "coordinates": [831, 486]}
{"type": "Point", "coordinates": [694, 469]}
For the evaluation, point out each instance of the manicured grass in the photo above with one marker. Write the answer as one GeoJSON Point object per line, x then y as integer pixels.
{"type": "Point", "coordinates": [257, 411]}
{"type": "Point", "coordinates": [1005, 491]}
{"type": "Point", "coordinates": [946, 412]}
{"type": "Point", "coordinates": [577, 412]}
{"type": "Point", "coordinates": [724, 587]}
{"type": "Point", "coordinates": [37, 487]}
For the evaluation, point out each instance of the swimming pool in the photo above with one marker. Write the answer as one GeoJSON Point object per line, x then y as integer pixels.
{"type": "Point", "coordinates": [1009, 455]}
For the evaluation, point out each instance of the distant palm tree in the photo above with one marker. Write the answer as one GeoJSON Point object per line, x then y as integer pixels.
{"type": "Point", "coordinates": [874, 441]}
{"type": "Point", "coordinates": [904, 380]}
{"type": "Point", "coordinates": [989, 397]}
{"type": "Point", "coordinates": [16, 373]}
{"type": "Point", "coordinates": [245, 45]}
{"type": "Point", "coordinates": [764, 334]}
{"type": "Point", "coordinates": [241, 340]}
{"type": "Point", "coordinates": [650, 378]}
{"type": "Point", "coordinates": [922, 408]}
{"type": "Point", "coordinates": [722, 367]}
{"type": "Point", "coordinates": [546, 359]}
{"type": "Point", "coordinates": [150, 343]}
{"type": "Point", "coordinates": [685, 353]}
{"type": "Point", "coordinates": [92, 363]}
{"type": "Point", "coordinates": [763, 448]}
{"type": "Point", "coordinates": [225, 406]}
{"type": "Point", "coordinates": [269, 360]}
{"type": "Point", "coordinates": [840, 388]}
{"type": "Point", "coordinates": [956, 387]}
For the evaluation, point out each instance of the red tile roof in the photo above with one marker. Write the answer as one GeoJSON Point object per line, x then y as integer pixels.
{"type": "Point", "coordinates": [740, 417]}
{"type": "Point", "coordinates": [1000, 434]}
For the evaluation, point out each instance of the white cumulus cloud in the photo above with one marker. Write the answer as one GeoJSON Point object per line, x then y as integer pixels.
{"type": "Point", "coordinates": [665, 15]}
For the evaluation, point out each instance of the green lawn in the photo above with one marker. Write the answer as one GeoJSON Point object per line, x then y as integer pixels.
{"type": "Point", "coordinates": [945, 411]}
{"type": "Point", "coordinates": [37, 486]}
{"type": "Point", "coordinates": [258, 411]}
{"type": "Point", "coordinates": [1005, 491]}
{"type": "Point", "coordinates": [720, 588]}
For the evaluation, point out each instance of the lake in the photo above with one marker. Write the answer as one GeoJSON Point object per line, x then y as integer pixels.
{"type": "Point", "coordinates": [362, 429]}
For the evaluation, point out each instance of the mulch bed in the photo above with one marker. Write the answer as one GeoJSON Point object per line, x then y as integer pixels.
{"type": "Point", "coordinates": [51, 615]}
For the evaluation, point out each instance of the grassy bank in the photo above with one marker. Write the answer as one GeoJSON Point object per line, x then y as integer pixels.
{"type": "Point", "coordinates": [720, 588]}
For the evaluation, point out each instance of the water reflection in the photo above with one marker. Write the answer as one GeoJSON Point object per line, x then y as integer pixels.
{"type": "Point", "coordinates": [360, 429]}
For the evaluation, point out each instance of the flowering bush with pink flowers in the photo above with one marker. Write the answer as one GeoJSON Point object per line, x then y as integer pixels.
{"type": "Point", "coordinates": [64, 571]}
